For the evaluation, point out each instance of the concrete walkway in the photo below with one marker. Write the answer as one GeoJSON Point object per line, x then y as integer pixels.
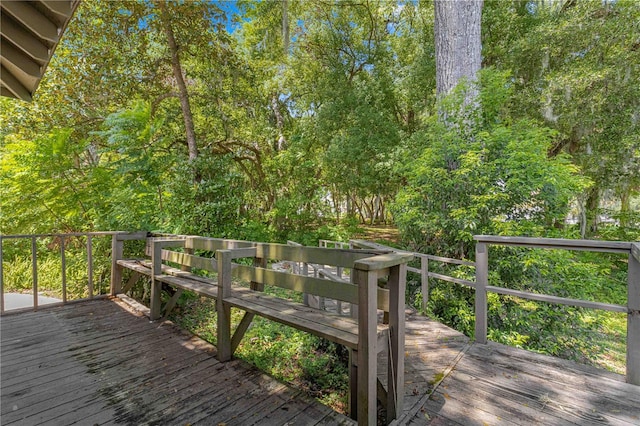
{"type": "Point", "coordinates": [20, 301]}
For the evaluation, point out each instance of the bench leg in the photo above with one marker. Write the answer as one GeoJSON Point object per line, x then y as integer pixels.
{"type": "Point", "coordinates": [117, 249]}
{"type": "Point", "coordinates": [155, 304]}
{"type": "Point", "coordinates": [246, 319]}
{"type": "Point", "coordinates": [224, 332]}
{"type": "Point", "coordinates": [397, 281]}
{"type": "Point", "coordinates": [155, 308]}
{"type": "Point", "coordinates": [353, 384]}
{"type": "Point", "coordinates": [367, 282]}
{"type": "Point", "coordinates": [223, 258]}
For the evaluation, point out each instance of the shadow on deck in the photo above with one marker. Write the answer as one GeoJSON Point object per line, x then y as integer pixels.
{"type": "Point", "coordinates": [97, 363]}
{"type": "Point", "coordinates": [451, 381]}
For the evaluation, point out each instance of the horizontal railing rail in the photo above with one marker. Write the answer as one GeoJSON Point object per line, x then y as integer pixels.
{"type": "Point", "coordinates": [58, 234]}
{"type": "Point", "coordinates": [425, 273]}
{"type": "Point", "coordinates": [342, 256]}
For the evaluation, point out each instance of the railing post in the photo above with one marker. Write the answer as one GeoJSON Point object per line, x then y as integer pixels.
{"type": "Point", "coordinates": [223, 258]}
{"type": "Point", "coordinates": [34, 271]}
{"type": "Point", "coordinates": [482, 278]}
{"type": "Point", "coordinates": [395, 371]}
{"type": "Point", "coordinates": [633, 317]}
{"type": "Point", "coordinates": [155, 309]}
{"type": "Point", "coordinates": [354, 307]}
{"type": "Point", "coordinates": [367, 281]}
{"type": "Point", "coordinates": [321, 299]}
{"type": "Point", "coordinates": [366, 273]}
{"type": "Point", "coordinates": [305, 272]}
{"type": "Point", "coordinates": [63, 269]}
{"type": "Point", "coordinates": [156, 286]}
{"type": "Point", "coordinates": [117, 249]}
{"type": "Point", "coordinates": [424, 278]}
{"type": "Point", "coordinates": [353, 384]}
{"type": "Point", "coordinates": [258, 263]}
{"type": "Point", "coordinates": [1, 280]}
{"type": "Point", "coordinates": [90, 265]}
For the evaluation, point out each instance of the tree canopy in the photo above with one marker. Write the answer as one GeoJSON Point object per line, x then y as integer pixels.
{"type": "Point", "coordinates": [274, 119]}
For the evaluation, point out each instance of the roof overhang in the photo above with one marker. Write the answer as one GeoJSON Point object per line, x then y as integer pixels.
{"type": "Point", "coordinates": [30, 32]}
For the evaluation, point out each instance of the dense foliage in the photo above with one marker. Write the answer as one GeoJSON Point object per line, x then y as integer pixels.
{"type": "Point", "coordinates": [307, 113]}
{"type": "Point", "coordinates": [492, 178]}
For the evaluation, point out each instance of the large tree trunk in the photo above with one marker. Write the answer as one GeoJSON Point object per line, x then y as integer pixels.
{"type": "Point", "coordinates": [183, 94]}
{"type": "Point", "coordinates": [458, 43]}
{"type": "Point", "coordinates": [625, 205]}
{"type": "Point", "coordinates": [285, 26]}
{"type": "Point", "coordinates": [275, 102]}
{"type": "Point", "coordinates": [593, 203]}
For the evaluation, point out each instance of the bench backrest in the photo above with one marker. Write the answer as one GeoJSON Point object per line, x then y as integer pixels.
{"type": "Point", "coordinates": [264, 253]}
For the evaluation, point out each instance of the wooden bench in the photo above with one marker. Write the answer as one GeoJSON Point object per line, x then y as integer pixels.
{"type": "Point", "coordinates": [364, 336]}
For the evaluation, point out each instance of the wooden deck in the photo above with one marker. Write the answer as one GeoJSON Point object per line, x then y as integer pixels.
{"type": "Point", "coordinates": [97, 363]}
{"type": "Point", "coordinates": [450, 381]}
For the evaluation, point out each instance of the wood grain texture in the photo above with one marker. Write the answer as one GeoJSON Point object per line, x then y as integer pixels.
{"type": "Point", "coordinates": [558, 300]}
{"type": "Point", "coordinates": [336, 328]}
{"type": "Point", "coordinates": [482, 280]}
{"type": "Point", "coordinates": [367, 363]}
{"type": "Point", "coordinates": [117, 249]}
{"type": "Point", "coordinates": [224, 309]}
{"type": "Point", "coordinates": [497, 384]}
{"type": "Point", "coordinates": [447, 379]}
{"type": "Point", "coordinates": [273, 251]}
{"type": "Point", "coordinates": [97, 363]}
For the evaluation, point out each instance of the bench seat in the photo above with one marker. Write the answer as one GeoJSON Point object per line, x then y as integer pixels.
{"type": "Point", "coordinates": [174, 277]}
{"type": "Point", "coordinates": [333, 327]}
{"type": "Point", "coordinates": [137, 265]}
{"type": "Point", "coordinates": [187, 282]}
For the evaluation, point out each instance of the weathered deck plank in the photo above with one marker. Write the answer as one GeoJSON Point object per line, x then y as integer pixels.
{"type": "Point", "coordinates": [96, 363]}
{"type": "Point", "coordinates": [497, 384]}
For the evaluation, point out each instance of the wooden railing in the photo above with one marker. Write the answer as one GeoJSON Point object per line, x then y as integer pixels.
{"type": "Point", "coordinates": [632, 309]}
{"type": "Point", "coordinates": [481, 284]}
{"type": "Point", "coordinates": [425, 273]}
{"type": "Point", "coordinates": [482, 287]}
{"type": "Point", "coordinates": [61, 240]}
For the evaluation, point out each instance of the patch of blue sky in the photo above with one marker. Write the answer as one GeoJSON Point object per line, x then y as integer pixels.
{"type": "Point", "coordinates": [232, 12]}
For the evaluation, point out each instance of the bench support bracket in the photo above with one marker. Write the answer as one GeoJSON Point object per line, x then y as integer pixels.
{"type": "Point", "coordinates": [133, 279]}
{"type": "Point", "coordinates": [172, 302]}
